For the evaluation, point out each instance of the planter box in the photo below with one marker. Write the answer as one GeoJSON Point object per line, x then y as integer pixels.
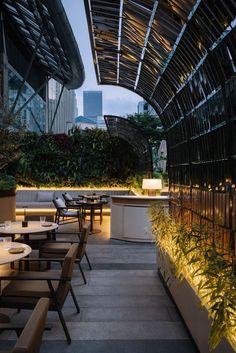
{"type": "Point", "coordinates": [189, 305]}
{"type": "Point", "coordinates": [7, 208]}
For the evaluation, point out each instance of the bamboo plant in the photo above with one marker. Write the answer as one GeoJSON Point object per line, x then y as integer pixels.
{"type": "Point", "coordinates": [195, 256]}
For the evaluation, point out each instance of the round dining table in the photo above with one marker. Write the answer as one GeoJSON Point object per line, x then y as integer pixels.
{"type": "Point", "coordinates": [7, 257]}
{"type": "Point", "coordinates": [33, 227]}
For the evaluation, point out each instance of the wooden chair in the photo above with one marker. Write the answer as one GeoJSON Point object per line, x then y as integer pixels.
{"type": "Point", "coordinates": [59, 249]}
{"type": "Point", "coordinates": [84, 202]}
{"type": "Point", "coordinates": [63, 211]}
{"type": "Point", "coordinates": [71, 201]}
{"type": "Point", "coordinates": [24, 289]}
{"type": "Point", "coordinates": [31, 336]}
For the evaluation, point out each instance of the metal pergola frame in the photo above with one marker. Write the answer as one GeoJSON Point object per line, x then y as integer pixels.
{"type": "Point", "coordinates": [180, 56]}
{"type": "Point", "coordinates": [128, 131]}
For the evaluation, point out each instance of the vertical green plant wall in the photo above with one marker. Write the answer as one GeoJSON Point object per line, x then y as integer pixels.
{"type": "Point", "coordinates": [83, 157]}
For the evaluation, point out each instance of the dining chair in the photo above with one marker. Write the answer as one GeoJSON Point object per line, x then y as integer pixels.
{"type": "Point", "coordinates": [58, 249]}
{"type": "Point", "coordinates": [69, 200]}
{"type": "Point", "coordinates": [63, 211]}
{"type": "Point", "coordinates": [31, 336]}
{"type": "Point", "coordinates": [89, 205]}
{"type": "Point", "coordinates": [24, 289]}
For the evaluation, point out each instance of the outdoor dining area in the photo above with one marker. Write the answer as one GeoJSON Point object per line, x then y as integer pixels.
{"type": "Point", "coordinates": [92, 259]}
{"type": "Point", "coordinates": [25, 281]}
{"type": "Point", "coordinates": [79, 279]}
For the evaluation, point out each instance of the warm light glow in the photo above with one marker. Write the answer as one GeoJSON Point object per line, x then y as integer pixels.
{"type": "Point", "coordinates": [201, 265]}
{"type": "Point", "coordinates": [152, 184]}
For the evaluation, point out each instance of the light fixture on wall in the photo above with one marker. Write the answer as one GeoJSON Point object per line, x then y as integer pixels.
{"type": "Point", "coordinates": [152, 185]}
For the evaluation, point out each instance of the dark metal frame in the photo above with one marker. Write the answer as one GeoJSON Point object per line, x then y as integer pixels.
{"type": "Point", "coordinates": [186, 71]}
{"type": "Point", "coordinates": [131, 133]}
{"type": "Point", "coordinates": [43, 32]}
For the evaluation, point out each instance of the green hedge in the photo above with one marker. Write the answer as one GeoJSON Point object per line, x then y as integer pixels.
{"type": "Point", "coordinates": [85, 157]}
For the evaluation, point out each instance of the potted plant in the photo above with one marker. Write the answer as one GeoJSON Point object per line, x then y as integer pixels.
{"type": "Point", "coordinates": [11, 133]}
{"type": "Point", "coordinates": [7, 185]}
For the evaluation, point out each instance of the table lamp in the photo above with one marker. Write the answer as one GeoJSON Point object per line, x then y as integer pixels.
{"type": "Point", "coordinates": [152, 185]}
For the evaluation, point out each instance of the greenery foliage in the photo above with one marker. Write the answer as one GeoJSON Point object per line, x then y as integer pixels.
{"type": "Point", "coordinates": [7, 182]}
{"type": "Point", "coordinates": [152, 129]}
{"type": "Point", "coordinates": [86, 157]}
{"type": "Point", "coordinates": [195, 256]}
{"type": "Point", "coordinates": [150, 125]}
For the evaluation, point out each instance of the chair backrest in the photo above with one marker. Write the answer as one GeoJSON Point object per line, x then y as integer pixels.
{"type": "Point", "coordinates": [83, 240]}
{"type": "Point", "coordinates": [67, 197]}
{"type": "Point", "coordinates": [59, 204]}
{"type": "Point", "coordinates": [66, 272]}
{"type": "Point", "coordinates": [31, 337]}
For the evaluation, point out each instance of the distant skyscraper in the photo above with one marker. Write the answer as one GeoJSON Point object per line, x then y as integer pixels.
{"type": "Point", "coordinates": [144, 107]}
{"type": "Point", "coordinates": [67, 110]}
{"type": "Point", "coordinates": [92, 104]}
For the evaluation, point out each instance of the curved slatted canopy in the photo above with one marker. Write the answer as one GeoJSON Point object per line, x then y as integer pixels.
{"type": "Point", "coordinates": [43, 25]}
{"type": "Point", "coordinates": [126, 130]}
{"type": "Point", "coordinates": [180, 55]}
{"type": "Point", "coordinates": [154, 47]}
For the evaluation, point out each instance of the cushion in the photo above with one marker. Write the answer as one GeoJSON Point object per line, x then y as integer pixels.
{"type": "Point", "coordinates": [54, 248]}
{"type": "Point", "coordinates": [60, 203]}
{"type": "Point", "coordinates": [45, 196]}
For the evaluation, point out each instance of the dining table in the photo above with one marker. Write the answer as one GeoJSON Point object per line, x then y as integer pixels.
{"type": "Point", "coordinates": [91, 205]}
{"type": "Point", "coordinates": [9, 253]}
{"type": "Point", "coordinates": [13, 251]}
{"type": "Point", "coordinates": [27, 228]}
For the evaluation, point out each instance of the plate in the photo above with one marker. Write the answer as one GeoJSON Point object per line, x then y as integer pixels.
{"type": "Point", "coordinates": [16, 250]}
{"type": "Point", "coordinates": [46, 224]}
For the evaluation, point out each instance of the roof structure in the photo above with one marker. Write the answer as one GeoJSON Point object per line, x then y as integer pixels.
{"type": "Point", "coordinates": [84, 119]}
{"type": "Point", "coordinates": [153, 47]}
{"type": "Point", "coordinates": [180, 56]}
{"type": "Point", "coordinates": [128, 131]}
{"type": "Point", "coordinates": [42, 27]}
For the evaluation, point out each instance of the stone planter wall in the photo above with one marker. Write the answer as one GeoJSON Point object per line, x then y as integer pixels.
{"type": "Point", "coordinates": [189, 305]}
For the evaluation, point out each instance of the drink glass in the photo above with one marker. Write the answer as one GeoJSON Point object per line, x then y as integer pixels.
{"type": "Point", "coordinates": [7, 243]}
{"type": "Point", "coordinates": [7, 224]}
{"type": "Point", "coordinates": [42, 219]}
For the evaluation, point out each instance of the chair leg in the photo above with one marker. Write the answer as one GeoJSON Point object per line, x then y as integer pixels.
{"type": "Point", "coordinates": [74, 299]}
{"type": "Point", "coordinates": [85, 254]}
{"type": "Point", "coordinates": [82, 273]}
{"type": "Point", "coordinates": [57, 307]}
{"type": "Point", "coordinates": [61, 317]}
{"type": "Point", "coordinates": [101, 216]}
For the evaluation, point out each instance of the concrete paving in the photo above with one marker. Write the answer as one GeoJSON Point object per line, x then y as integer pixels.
{"type": "Point", "coordinates": [124, 306]}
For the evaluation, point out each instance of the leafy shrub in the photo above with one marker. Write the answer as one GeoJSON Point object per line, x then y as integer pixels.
{"type": "Point", "coordinates": [7, 182]}
{"type": "Point", "coordinates": [84, 157]}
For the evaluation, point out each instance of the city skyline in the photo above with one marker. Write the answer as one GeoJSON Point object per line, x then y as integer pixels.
{"type": "Point", "coordinates": [116, 100]}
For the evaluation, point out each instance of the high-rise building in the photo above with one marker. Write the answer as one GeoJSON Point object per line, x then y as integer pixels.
{"type": "Point", "coordinates": [92, 104]}
{"type": "Point", "coordinates": [145, 107]}
{"type": "Point", "coordinates": [66, 111]}
{"type": "Point", "coordinates": [34, 46]}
